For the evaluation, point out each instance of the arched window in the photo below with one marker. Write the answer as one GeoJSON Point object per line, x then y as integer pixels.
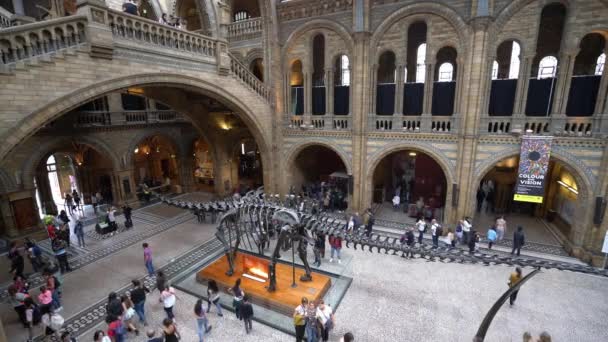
{"type": "Point", "coordinates": [241, 15]}
{"type": "Point", "coordinates": [296, 81]}
{"type": "Point", "coordinates": [344, 71]}
{"type": "Point", "coordinates": [318, 61]}
{"type": "Point", "coordinates": [446, 70]}
{"type": "Point", "coordinates": [514, 66]}
{"type": "Point", "coordinates": [494, 70]}
{"type": "Point", "coordinates": [386, 68]}
{"type": "Point", "coordinates": [599, 66]}
{"type": "Point", "coordinates": [420, 63]}
{"type": "Point", "coordinates": [547, 67]}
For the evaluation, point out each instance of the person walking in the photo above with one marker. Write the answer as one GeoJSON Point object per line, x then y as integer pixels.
{"type": "Point", "coordinates": [246, 313]}
{"type": "Point", "coordinates": [434, 233]}
{"type": "Point", "coordinates": [325, 316]}
{"type": "Point", "coordinates": [514, 278]}
{"type": "Point", "coordinates": [148, 258]}
{"type": "Point", "coordinates": [129, 312]}
{"type": "Point", "coordinates": [138, 296]}
{"type": "Point", "coordinates": [101, 336]}
{"type": "Point", "coordinates": [17, 264]}
{"type": "Point", "coordinates": [451, 238]}
{"type": "Point", "coordinates": [501, 227]}
{"type": "Point", "coordinates": [112, 220]}
{"type": "Point", "coordinates": [370, 225]}
{"type": "Point", "coordinates": [94, 203]}
{"type": "Point", "coordinates": [410, 240]}
{"type": "Point", "coordinates": [161, 280]}
{"type": "Point", "coordinates": [168, 298]}
{"type": "Point", "coordinates": [492, 236]}
{"type": "Point", "coordinates": [421, 225]}
{"type": "Point", "coordinates": [299, 319]}
{"type": "Point", "coordinates": [202, 323]}
{"type": "Point", "coordinates": [79, 232]}
{"type": "Point", "coordinates": [336, 246]}
{"type": "Point", "coordinates": [151, 334]}
{"type": "Point", "coordinates": [473, 241]}
{"type": "Point", "coordinates": [170, 331]}
{"type": "Point", "coordinates": [116, 329]}
{"type": "Point", "coordinates": [34, 254]}
{"type": "Point", "coordinates": [128, 211]}
{"type": "Point", "coordinates": [68, 203]}
{"type": "Point", "coordinates": [76, 198]}
{"type": "Point", "coordinates": [348, 337]}
{"type": "Point", "coordinates": [213, 296]}
{"type": "Point", "coordinates": [459, 235]}
{"type": "Point", "coordinates": [17, 299]}
{"type": "Point", "coordinates": [466, 230]}
{"type": "Point", "coordinates": [32, 317]}
{"type": "Point", "coordinates": [311, 322]}
{"type": "Point", "coordinates": [59, 249]}
{"type": "Point", "coordinates": [518, 240]}
{"type": "Point", "coordinates": [114, 306]}
{"type": "Point", "coordinates": [237, 297]}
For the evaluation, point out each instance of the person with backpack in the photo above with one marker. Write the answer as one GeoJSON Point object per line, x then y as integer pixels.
{"type": "Point", "coordinates": [59, 249]}
{"type": "Point", "coordinates": [114, 307]}
{"type": "Point", "coordinates": [138, 296]}
{"type": "Point", "coordinates": [32, 317]}
{"type": "Point", "coordinates": [435, 232]}
{"type": "Point", "coordinates": [79, 232]}
{"type": "Point", "coordinates": [116, 329]}
{"type": "Point", "coordinates": [34, 254]}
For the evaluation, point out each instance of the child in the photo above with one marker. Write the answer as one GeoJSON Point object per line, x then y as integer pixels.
{"type": "Point", "coordinates": [246, 313]}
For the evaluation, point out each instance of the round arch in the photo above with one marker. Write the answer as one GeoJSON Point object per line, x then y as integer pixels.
{"type": "Point", "coordinates": [252, 55]}
{"type": "Point", "coordinates": [30, 164]}
{"type": "Point", "coordinates": [457, 22]}
{"type": "Point", "coordinates": [582, 175]}
{"type": "Point", "coordinates": [446, 166]}
{"type": "Point", "coordinates": [294, 151]}
{"type": "Point", "coordinates": [141, 136]}
{"type": "Point", "coordinates": [516, 5]}
{"type": "Point", "coordinates": [318, 25]}
{"type": "Point", "coordinates": [64, 104]}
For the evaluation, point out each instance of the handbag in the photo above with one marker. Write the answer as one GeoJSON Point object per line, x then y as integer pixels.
{"type": "Point", "coordinates": [129, 313]}
{"type": "Point", "coordinates": [298, 320]}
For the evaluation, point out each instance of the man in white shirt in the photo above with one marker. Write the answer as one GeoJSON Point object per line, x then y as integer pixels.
{"type": "Point", "coordinates": [325, 317]}
{"type": "Point", "coordinates": [434, 226]}
{"type": "Point", "coordinates": [112, 219]}
{"type": "Point", "coordinates": [421, 225]}
{"type": "Point", "coordinates": [396, 202]}
{"type": "Point", "coordinates": [466, 229]}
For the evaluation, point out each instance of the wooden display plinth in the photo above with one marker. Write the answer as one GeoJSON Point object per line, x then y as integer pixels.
{"type": "Point", "coordinates": [284, 299]}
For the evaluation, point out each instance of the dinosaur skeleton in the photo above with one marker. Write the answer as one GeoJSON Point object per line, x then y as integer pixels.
{"type": "Point", "coordinates": [254, 220]}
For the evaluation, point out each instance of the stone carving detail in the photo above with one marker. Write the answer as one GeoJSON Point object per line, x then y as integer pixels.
{"type": "Point", "coordinates": [304, 9]}
{"type": "Point", "coordinates": [98, 16]}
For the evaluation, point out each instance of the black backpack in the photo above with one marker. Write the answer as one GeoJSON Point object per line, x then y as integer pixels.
{"type": "Point", "coordinates": [439, 231]}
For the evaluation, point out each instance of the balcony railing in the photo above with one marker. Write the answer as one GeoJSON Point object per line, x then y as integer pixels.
{"type": "Point", "coordinates": [559, 126]}
{"type": "Point", "coordinates": [413, 123]}
{"type": "Point", "coordinates": [130, 117]}
{"type": "Point", "coordinates": [27, 42]}
{"type": "Point", "coordinates": [5, 18]}
{"type": "Point", "coordinates": [244, 30]}
{"type": "Point", "coordinates": [319, 122]}
{"type": "Point", "coordinates": [152, 33]}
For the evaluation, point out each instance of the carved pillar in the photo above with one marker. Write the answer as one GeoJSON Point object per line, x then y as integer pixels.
{"type": "Point", "coordinates": [428, 89]}
{"type": "Point", "coordinates": [564, 78]}
{"type": "Point", "coordinates": [186, 169]}
{"type": "Point", "coordinates": [329, 91]}
{"type": "Point", "coordinates": [523, 82]}
{"type": "Point", "coordinates": [307, 97]}
{"type": "Point", "coordinates": [600, 114]}
{"type": "Point", "coordinates": [126, 185]}
{"type": "Point", "coordinates": [373, 90]}
{"type": "Point", "coordinates": [399, 91]}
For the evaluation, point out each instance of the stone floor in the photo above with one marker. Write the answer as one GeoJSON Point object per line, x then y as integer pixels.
{"type": "Point", "coordinates": [390, 298]}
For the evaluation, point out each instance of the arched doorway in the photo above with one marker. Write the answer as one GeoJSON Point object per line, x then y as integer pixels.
{"type": "Point", "coordinates": [318, 171]}
{"type": "Point", "coordinates": [554, 222]}
{"type": "Point", "coordinates": [155, 162]}
{"type": "Point", "coordinates": [204, 173]}
{"type": "Point", "coordinates": [246, 166]}
{"type": "Point", "coordinates": [419, 182]}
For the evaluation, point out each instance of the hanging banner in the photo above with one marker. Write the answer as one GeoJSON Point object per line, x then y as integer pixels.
{"type": "Point", "coordinates": [533, 165]}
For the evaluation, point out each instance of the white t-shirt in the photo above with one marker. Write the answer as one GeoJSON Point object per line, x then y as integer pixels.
{"type": "Point", "coordinates": [168, 298]}
{"type": "Point", "coordinates": [434, 228]}
{"type": "Point", "coordinates": [466, 226]}
{"type": "Point", "coordinates": [324, 315]}
{"type": "Point", "coordinates": [111, 216]}
{"type": "Point", "coordinates": [420, 224]}
{"type": "Point", "coordinates": [396, 200]}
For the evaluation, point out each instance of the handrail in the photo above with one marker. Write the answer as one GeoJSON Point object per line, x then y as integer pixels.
{"type": "Point", "coordinates": [151, 32]}
{"type": "Point", "coordinates": [240, 71]}
{"type": "Point", "coordinates": [41, 38]}
{"type": "Point", "coordinates": [245, 29]}
{"type": "Point", "coordinates": [5, 18]}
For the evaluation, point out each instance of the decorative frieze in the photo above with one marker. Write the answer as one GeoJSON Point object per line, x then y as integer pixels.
{"type": "Point", "coordinates": [291, 10]}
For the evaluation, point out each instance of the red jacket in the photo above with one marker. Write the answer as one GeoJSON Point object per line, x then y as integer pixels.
{"type": "Point", "coordinates": [51, 231]}
{"type": "Point", "coordinates": [335, 242]}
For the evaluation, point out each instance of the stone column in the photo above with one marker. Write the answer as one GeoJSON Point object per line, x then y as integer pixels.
{"type": "Point", "coordinates": [307, 97]}
{"type": "Point", "coordinates": [428, 89]}
{"type": "Point", "coordinates": [399, 91]}
{"type": "Point", "coordinates": [562, 88]}
{"type": "Point", "coordinates": [523, 82]}
{"type": "Point", "coordinates": [329, 91]}
{"type": "Point", "coordinates": [129, 176]}
{"type": "Point", "coordinates": [600, 114]}
{"type": "Point", "coordinates": [373, 90]}
{"type": "Point", "coordinates": [186, 169]}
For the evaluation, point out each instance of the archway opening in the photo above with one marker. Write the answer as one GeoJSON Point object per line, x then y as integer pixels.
{"type": "Point", "coordinates": [444, 86]}
{"type": "Point", "coordinates": [188, 15]}
{"type": "Point", "coordinates": [408, 184]}
{"type": "Point", "coordinates": [204, 173]}
{"type": "Point", "coordinates": [385, 87]}
{"type": "Point", "coordinates": [296, 85]}
{"type": "Point", "coordinates": [155, 162]}
{"type": "Point", "coordinates": [586, 76]}
{"type": "Point", "coordinates": [246, 166]}
{"type": "Point", "coordinates": [257, 68]}
{"type": "Point", "coordinates": [319, 172]}
{"type": "Point", "coordinates": [415, 71]}
{"type": "Point", "coordinates": [505, 72]}
{"type": "Point", "coordinates": [547, 223]}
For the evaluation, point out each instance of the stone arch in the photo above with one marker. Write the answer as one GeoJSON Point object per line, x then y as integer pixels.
{"type": "Point", "coordinates": [207, 13]}
{"type": "Point", "coordinates": [294, 151]}
{"type": "Point", "coordinates": [252, 55]}
{"type": "Point", "coordinates": [510, 37]}
{"type": "Point", "coordinates": [442, 10]}
{"type": "Point", "coordinates": [137, 139]}
{"type": "Point", "coordinates": [446, 166]}
{"type": "Point", "coordinates": [30, 164]}
{"type": "Point", "coordinates": [515, 6]}
{"type": "Point", "coordinates": [52, 110]}
{"type": "Point", "coordinates": [583, 176]}
{"type": "Point", "coordinates": [318, 25]}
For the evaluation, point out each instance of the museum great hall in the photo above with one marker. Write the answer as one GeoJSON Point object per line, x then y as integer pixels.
{"type": "Point", "coordinates": [427, 101]}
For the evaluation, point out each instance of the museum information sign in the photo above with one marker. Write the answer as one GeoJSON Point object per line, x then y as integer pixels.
{"type": "Point", "coordinates": [533, 165]}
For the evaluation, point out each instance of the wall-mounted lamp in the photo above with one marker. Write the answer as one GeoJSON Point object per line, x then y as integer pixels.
{"type": "Point", "coordinates": [136, 150]}
{"type": "Point", "coordinates": [242, 148]}
{"type": "Point", "coordinates": [571, 189]}
{"type": "Point", "coordinates": [412, 154]}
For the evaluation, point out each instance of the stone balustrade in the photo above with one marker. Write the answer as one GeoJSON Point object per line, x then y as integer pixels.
{"type": "Point", "coordinates": [5, 18]}
{"type": "Point", "coordinates": [240, 71]}
{"type": "Point", "coordinates": [130, 117]}
{"type": "Point", "coordinates": [27, 42]}
{"type": "Point", "coordinates": [319, 122]}
{"type": "Point", "coordinates": [559, 126]}
{"type": "Point", "coordinates": [245, 29]}
{"type": "Point", "coordinates": [413, 123]}
{"type": "Point", "coordinates": [149, 32]}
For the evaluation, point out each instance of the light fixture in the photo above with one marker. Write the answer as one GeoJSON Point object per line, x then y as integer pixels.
{"type": "Point", "coordinates": [242, 148]}
{"type": "Point", "coordinates": [571, 189]}
{"type": "Point", "coordinates": [529, 131]}
{"type": "Point", "coordinates": [412, 154]}
{"type": "Point", "coordinates": [136, 150]}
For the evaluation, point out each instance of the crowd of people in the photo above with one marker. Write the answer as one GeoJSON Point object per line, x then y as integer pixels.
{"type": "Point", "coordinates": [133, 7]}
